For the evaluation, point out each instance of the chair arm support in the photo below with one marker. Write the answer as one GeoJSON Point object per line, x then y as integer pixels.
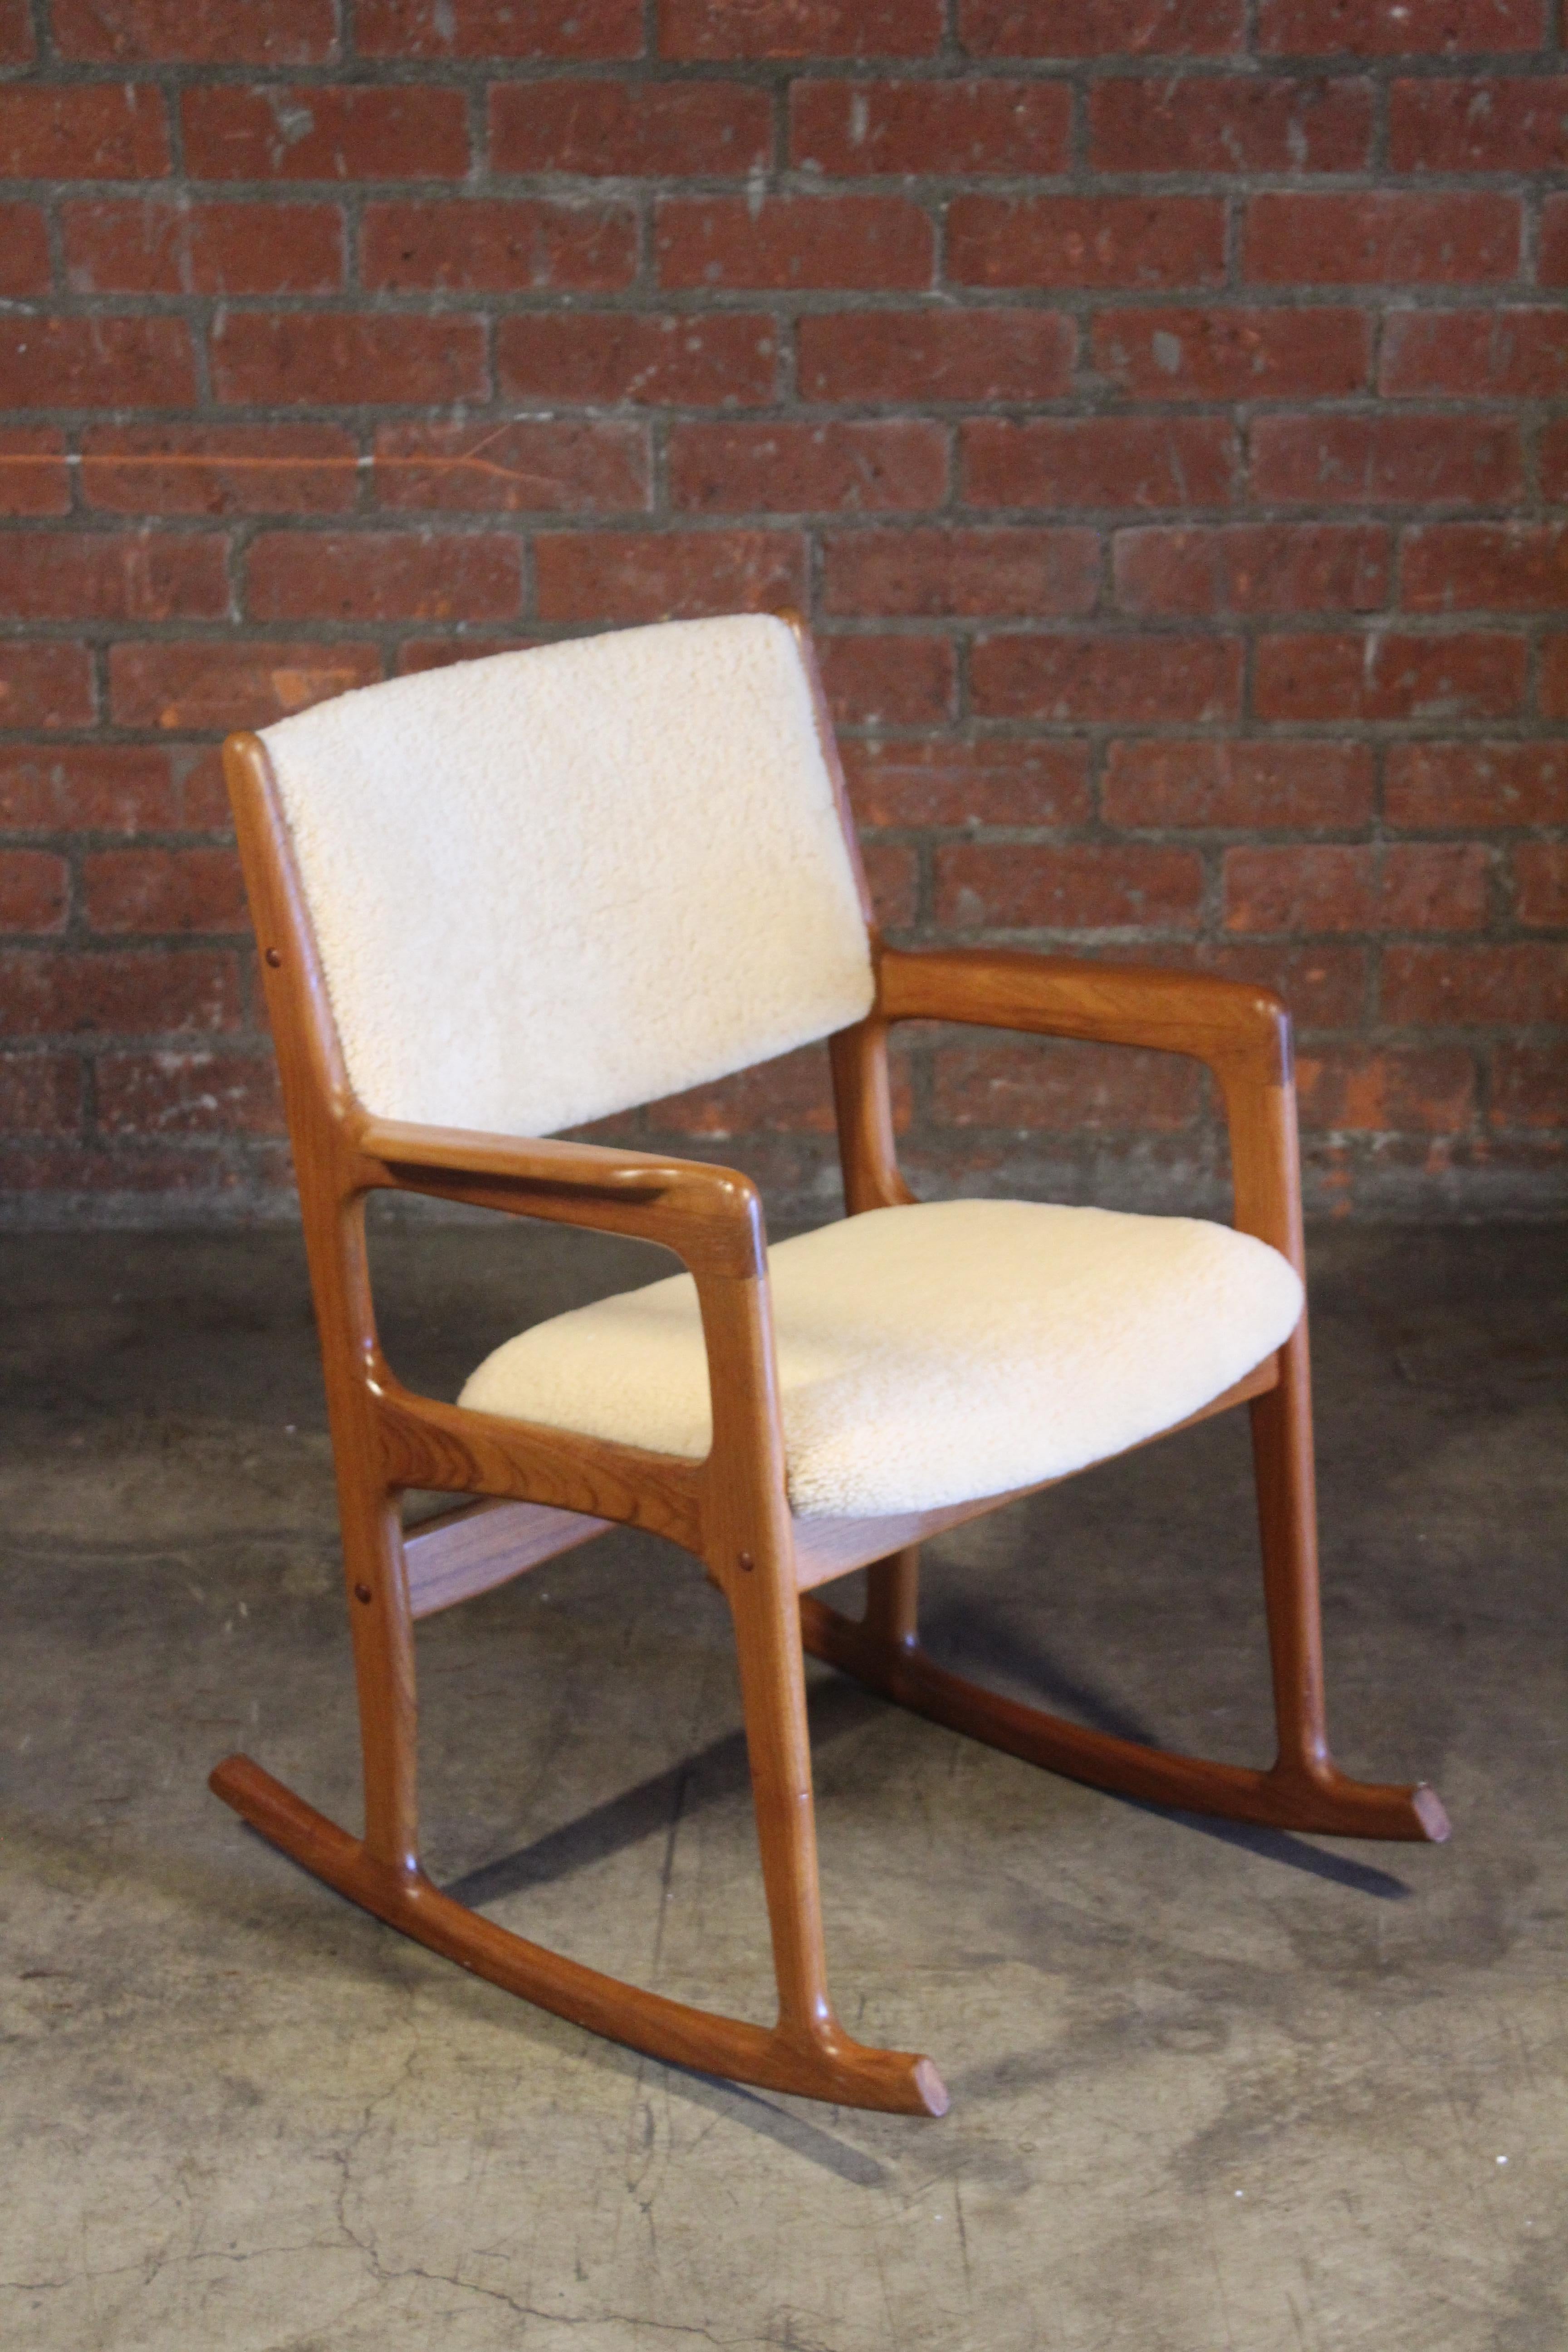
{"type": "Point", "coordinates": [710, 1217]}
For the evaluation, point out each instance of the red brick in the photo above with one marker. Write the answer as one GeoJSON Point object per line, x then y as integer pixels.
{"type": "Point", "coordinates": [1555, 678]}
{"type": "Point", "coordinates": [87, 788]}
{"type": "Point", "coordinates": [1234, 355]}
{"type": "Point", "coordinates": [790, 1096]}
{"type": "Point", "coordinates": [34, 889]}
{"type": "Point", "coordinates": [892, 875]}
{"type": "Point", "coordinates": [952, 783]}
{"type": "Point", "coordinates": [1064, 1090]}
{"type": "Point", "coordinates": [1240, 786]}
{"type": "Point", "coordinates": [1540, 883]}
{"type": "Point", "coordinates": [24, 252]}
{"type": "Point", "coordinates": [797, 468]}
{"type": "Point", "coordinates": [416, 655]}
{"type": "Point", "coordinates": [1027, 885]}
{"type": "Point", "coordinates": [68, 1170]}
{"type": "Point", "coordinates": [892, 681]}
{"type": "Point", "coordinates": [188, 1094]}
{"type": "Point", "coordinates": [1342, 887]}
{"type": "Point", "coordinates": [1386, 455]}
{"type": "Point", "coordinates": [1386, 1089]}
{"type": "Point", "coordinates": [382, 575]}
{"type": "Point", "coordinates": [915, 355]}
{"type": "Point", "coordinates": [34, 477]}
{"type": "Point", "coordinates": [16, 43]}
{"type": "Point", "coordinates": [630, 130]}
{"type": "Point", "coordinates": [40, 1094]}
{"type": "Point", "coordinates": [1097, 461]}
{"type": "Point", "coordinates": [218, 469]}
{"type": "Point", "coordinates": [793, 241]}
{"type": "Point", "coordinates": [1252, 568]}
{"type": "Point", "coordinates": [1501, 354]}
{"type": "Point", "coordinates": [218, 687]}
{"type": "Point", "coordinates": [113, 576]}
{"type": "Point", "coordinates": [1387, 676]}
{"type": "Point", "coordinates": [1476, 785]}
{"type": "Point", "coordinates": [47, 684]}
{"type": "Point", "coordinates": [625, 576]}
{"type": "Point", "coordinates": [573, 29]}
{"type": "Point", "coordinates": [202, 791]}
{"type": "Point", "coordinates": [1242, 122]}
{"type": "Point", "coordinates": [1474, 987]}
{"type": "Point", "coordinates": [937, 572]}
{"type": "Point", "coordinates": [1120, 680]}
{"type": "Point", "coordinates": [713, 360]}
{"type": "Point", "coordinates": [532, 466]}
{"type": "Point", "coordinates": [1096, 28]}
{"type": "Point", "coordinates": [1553, 460]}
{"type": "Point", "coordinates": [1371, 28]}
{"type": "Point", "coordinates": [1493, 123]}
{"type": "Point", "coordinates": [1552, 259]}
{"type": "Point", "coordinates": [196, 32]}
{"type": "Point", "coordinates": [799, 28]}
{"type": "Point", "coordinates": [103, 362]}
{"type": "Point", "coordinates": [1529, 1086]}
{"type": "Point", "coordinates": [1072, 241]}
{"type": "Point", "coordinates": [150, 245]}
{"type": "Point", "coordinates": [1506, 567]}
{"type": "Point", "coordinates": [326, 358]}
{"type": "Point", "coordinates": [45, 991]}
{"type": "Point", "coordinates": [499, 246]}
{"type": "Point", "coordinates": [1013, 126]}
{"type": "Point", "coordinates": [317, 131]}
{"type": "Point", "coordinates": [87, 131]}
{"type": "Point", "coordinates": [1324, 984]}
{"type": "Point", "coordinates": [164, 890]}
{"type": "Point", "coordinates": [1382, 237]}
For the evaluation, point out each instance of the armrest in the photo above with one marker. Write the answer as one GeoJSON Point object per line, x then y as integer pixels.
{"type": "Point", "coordinates": [710, 1217]}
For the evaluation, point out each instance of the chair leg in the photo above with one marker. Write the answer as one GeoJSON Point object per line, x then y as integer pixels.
{"type": "Point", "coordinates": [806, 2051]}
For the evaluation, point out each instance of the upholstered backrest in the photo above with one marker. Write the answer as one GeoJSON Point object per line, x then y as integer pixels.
{"type": "Point", "coordinates": [553, 885]}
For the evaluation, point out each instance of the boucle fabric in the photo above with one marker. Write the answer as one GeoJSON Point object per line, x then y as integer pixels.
{"type": "Point", "coordinates": [553, 885]}
{"type": "Point", "coordinates": [933, 1354]}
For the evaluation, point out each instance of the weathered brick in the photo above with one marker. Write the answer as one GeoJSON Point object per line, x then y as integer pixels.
{"type": "Point", "coordinates": [40, 1094]}
{"type": "Point", "coordinates": [218, 469]}
{"type": "Point", "coordinates": [1315, 887]}
{"type": "Point", "coordinates": [1541, 884]}
{"type": "Point", "coordinates": [1229, 123]}
{"type": "Point", "coordinates": [714, 362]}
{"type": "Point", "coordinates": [799, 28]}
{"type": "Point", "coordinates": [793, 241]}
{"type": "Point", "coordinates": [326, 359]}
{"type": "Point", "coordinates": [1086, 241]}
{"type": "Point", "coordinates": [801, 468]}
{"type": "Point", "coordinates": [1503, 354]}
{"type": "Point", "coordinates": [1093, 28]}
{"type": "Point", "coordinates": [102, 362]}
{"type": "Point", "coordinates": [1522, 984]}
{"type": "Point", "coordinates": [1097, 461]}
{"type": "Point", "coordinates": [216, 687]}
{"type": "Point", "coordinates": [888, 681]}
{"type": "Point", "coordinates": [1505, 567]}
{"type": "Point", "coordinates": [892, 876]}
{"type": "Point", "coordinates": [1252, 568]}
{"type": "Point", "coordinates": [315, 130]}
{"type": "Point", "coordinates": [1437, 786]}
{"type": "Point", "coordinates": [920, 355]}
{"type": "Point", "coordinates": [1386, 456]}
{"type": "Point", "coordinates": [46, 683]}
{"type": "Point", "coordinates": [87, 131]}
{"type": "Point", "coordinates": [968, 784]}
{"type": "Point", "coordinates": [153, 245]}
{"type": "Point", "coordinates": [1120, 680]}
{"type": "Point", "coordinates": [128, 994]}
{"type": "Point", "coordinates": [1238, 786]}
{"type": "Point", "coordinates": [845, 127]}
{"type": "Point", "coordinates": [571, 29]}
{"type": "Point", "coordinates": [17, 45]}
{"type": "Point", "coordinates": [34, 889]}
{"type": "Point", "coordinates": [662, 130]}
{"type": "Point", "coordinates": [1371, 28]}
{"type": "Point", "coordinates": [627, 576]}
{"type": "Point", "coordinates": [1025, 886]}
{"type": "Point", "coordinates": [533, 466]}
{"type": "Point", "coordinates": [1552, 256]}
{"type": "Point", "coordinates": [24, 252]}
{"type": "Point", "coordinates": [1491, 123]}
{"type": "Point", "coordinates": [113, 576]}
{"type": "Point", "coordinates": [1553, 458]}
{"type": "Point", "coordinates": [1554, 682]}
{"type": "Point", "coordinates": [188, 1093]}
{"type": "Point", "coordinates": [34, 477]}
{"type": "Point", "coordinates": [86, 788]}
{"type": "Point", "coordinates": [1386, 1089]}
{"type": "Point", "coordinates": [1382, 237]}
{"type": "Point", "coordinates": [522, 244]}
{"type": "Point", "coordinates": [164, 890]}
{"type": "Point", "coordinates": [382, 575]}
{"type": "Point", "coordinates": [1234, 355]}
{"type": "Point", "coordinates": [964, 571]}
{"type": "Point", "coordinates": [1326, 983]}
{"type": "Point", "coordinates": [1348, 678]}
{"type": "Point", "coordinates": [196, 32]}
{"type": "Point", "coordinates": [1529, 1086]}
{"type": "Point", "coordinates": [1064, 1090]}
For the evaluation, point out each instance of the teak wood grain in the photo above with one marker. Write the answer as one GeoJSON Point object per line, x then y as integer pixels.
{"type": "Point", "coordinates": [546, 1489]}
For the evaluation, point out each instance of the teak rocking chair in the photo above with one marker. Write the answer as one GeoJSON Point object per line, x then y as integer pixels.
{"type": "Point", "coordinates": [522, 894]}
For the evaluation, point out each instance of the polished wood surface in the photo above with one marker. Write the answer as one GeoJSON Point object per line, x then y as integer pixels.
{"type": "Point", "coordinates": [544, 1490]}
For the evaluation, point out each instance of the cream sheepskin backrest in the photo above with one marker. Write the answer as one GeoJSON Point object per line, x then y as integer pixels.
{"type": "Point", "coordinates": [549, 885]}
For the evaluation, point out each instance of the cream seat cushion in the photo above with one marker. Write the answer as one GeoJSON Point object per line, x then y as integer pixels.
{"type": "Point", "coordinates": [932, 1354]}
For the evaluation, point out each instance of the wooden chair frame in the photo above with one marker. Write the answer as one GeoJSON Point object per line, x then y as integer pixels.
{"type": "Point", "coordinates": [546, 1489]}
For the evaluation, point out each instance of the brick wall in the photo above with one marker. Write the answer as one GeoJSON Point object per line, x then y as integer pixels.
{"type": "Point", "coordinates": [1157, 406]}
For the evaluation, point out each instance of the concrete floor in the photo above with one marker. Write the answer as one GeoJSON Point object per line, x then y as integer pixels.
{"type": "Point", "coordinates": [1211, 2087]}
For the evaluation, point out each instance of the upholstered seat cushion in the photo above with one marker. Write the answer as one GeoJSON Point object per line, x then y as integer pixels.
{"type": "Point", "coordinates": [932, 1354]}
